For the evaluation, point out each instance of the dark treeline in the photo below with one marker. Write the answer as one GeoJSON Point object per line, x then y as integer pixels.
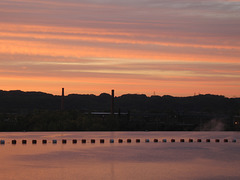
{"type": "Point", "coordinates": [41, 112]}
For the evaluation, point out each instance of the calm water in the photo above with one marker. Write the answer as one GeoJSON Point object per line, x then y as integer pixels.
{"type": "Point", "coordinates": [120, 160]}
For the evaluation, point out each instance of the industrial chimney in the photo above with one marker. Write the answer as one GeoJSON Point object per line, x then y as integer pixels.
{"type": "Point", "coordinates": [112, 105]}
{"type": "Point", "coordinates": [62, 100]}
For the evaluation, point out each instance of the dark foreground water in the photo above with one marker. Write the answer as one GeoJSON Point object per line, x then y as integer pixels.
{"type": "Point", "coordinates": [197, 160]}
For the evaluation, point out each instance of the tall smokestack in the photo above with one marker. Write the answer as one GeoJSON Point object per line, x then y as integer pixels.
{"type": "Point", "coordinates": [62, 100]}
{"type": "Point", "coordinates": [112, 105]}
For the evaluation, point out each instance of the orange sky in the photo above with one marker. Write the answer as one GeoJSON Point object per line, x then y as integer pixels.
{"type": "Point", "coordinates": [172, 47]}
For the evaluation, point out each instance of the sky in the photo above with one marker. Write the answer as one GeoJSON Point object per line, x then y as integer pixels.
{"type": "Point", "coordinates": [152, 47]}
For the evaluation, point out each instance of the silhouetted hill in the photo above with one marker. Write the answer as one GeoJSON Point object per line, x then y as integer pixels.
{"type": "Point", "coordinates": [38, 111]}
{"type": "Point", "coordinates": [15, 101]}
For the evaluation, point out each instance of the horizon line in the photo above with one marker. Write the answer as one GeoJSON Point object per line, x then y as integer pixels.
{"type": "Point", "coordinates": [195, 94]}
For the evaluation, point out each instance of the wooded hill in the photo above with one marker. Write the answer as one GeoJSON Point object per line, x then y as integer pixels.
{"type": "Point", "coordinates": [17, 101]}
{"type": "Point", "coordinates": [38, 111]}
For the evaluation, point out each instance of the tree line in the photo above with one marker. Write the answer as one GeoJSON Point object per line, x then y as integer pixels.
{"type": "Point", "coordinates": [39, 111]}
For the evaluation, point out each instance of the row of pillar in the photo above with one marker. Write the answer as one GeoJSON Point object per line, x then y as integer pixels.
{"type": "Point", "coordinates": [92, 141]}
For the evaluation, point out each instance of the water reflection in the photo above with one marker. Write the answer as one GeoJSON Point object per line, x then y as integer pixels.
{"type": "Point", "coordinates": [119, 160]}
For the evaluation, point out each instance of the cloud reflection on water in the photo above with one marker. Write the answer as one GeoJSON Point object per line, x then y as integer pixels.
{"type": "Point", "coordinates": [158, 153]}
{"type": "Point", "coordinates": [121, 161]}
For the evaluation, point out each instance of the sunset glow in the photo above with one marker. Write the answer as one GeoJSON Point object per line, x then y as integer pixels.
{"type": "Point", "coordinates": [180, 48]}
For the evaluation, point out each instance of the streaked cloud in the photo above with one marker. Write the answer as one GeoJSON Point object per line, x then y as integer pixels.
{"type": "Point", "coordinates": [180, 47]}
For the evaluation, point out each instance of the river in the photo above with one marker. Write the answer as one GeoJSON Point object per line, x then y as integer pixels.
{"type": "Point", "coordinates": [116, 161]}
